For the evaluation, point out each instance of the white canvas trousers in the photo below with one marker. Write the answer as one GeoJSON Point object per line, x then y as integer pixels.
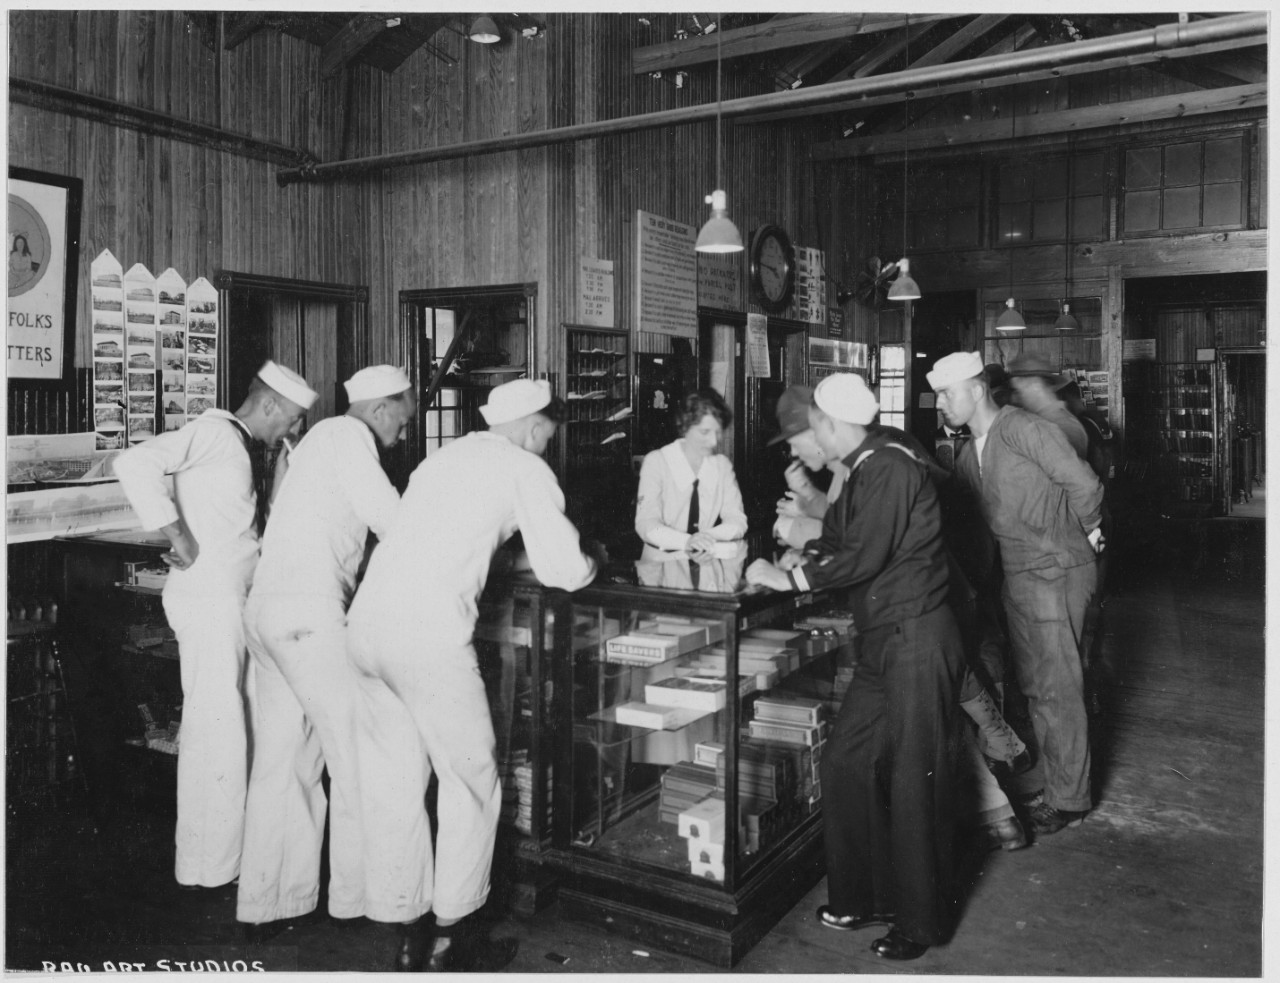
{"type": "Point", "coordinates": [303, 705]}
{"type": "Point", "coordinates": [424, 708]}
{"type": "Point", "coordinates": [213, 741]}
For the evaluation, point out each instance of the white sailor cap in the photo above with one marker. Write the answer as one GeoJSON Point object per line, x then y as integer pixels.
{"type": "Point", "coordinates": [845, 396]}
{"type": "Point", "coordinates": [516, 399]}
{"type": "Point", "coordinates": [376, 381]}
{"type": "Point", "coordinates": [955, 367]}
{"type": "Point", "coordinates": [288, 384]}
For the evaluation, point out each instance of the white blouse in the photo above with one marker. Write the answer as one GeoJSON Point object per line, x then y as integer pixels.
{"type": "Point", "coordinates": [666, 483]}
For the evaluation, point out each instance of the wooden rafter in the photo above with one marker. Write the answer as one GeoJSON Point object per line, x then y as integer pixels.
{"type": "Point", "coordinates": [239, 27]}
{"type": "Point", "coordinates": [1014, 40]}
{"type": "Point", "coordinates": [773, 35]}
{"type": "Point", "coordinates": [346, 45]}
{"type": "Point", "coordinates": [882, 53]}
{"type": "Point", "coordinates": [1044, 124]}
{"type": "Point", "coordinates": [968, 34]}
{"type": "Point", "coordinates": [793, 71]}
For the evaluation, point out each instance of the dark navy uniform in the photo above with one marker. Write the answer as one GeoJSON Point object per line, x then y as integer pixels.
{"type": "Point", "coordinates": [888, 766]}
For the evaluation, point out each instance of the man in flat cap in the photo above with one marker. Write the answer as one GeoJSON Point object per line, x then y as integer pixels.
{"type": "Point", "coordinates": [304, 692]}
{"type": "Point", "coordinates": [424, 705]}
{"type": "Point", "coordinates": [888, 769]}
{"type": "Point", "coordinates": [1035, 389]}
{"type": "Point", "coordinates": [196, 485]}
{"type": "Point", "coordinates": [1042, 503]}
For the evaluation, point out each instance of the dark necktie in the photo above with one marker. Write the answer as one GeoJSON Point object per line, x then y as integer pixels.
{"type": "Point", "coordinates": [257, 466]}
{"type": "Point", "coordinates": [693, 509]}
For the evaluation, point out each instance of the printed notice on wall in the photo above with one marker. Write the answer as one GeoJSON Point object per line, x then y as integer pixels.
{"type": "Point", "coordinates": [757, 346]}
{"type": "Point", "coordinates": [811, 285]}
{"type": "Point", "coordinates": [595, 292]}
{"type": "Point", "coordinates": [720, 280]}
{"type": "Point", "coordinates": [1139, 350]}
{"type": "Point", "coordinates": [666, 281]}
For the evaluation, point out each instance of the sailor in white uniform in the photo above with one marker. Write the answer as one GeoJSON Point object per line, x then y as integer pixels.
{"type": "Point", "coordinates": [196, 485]}
{"type": "Point", "coordinates": [304, 691]}
{"type": "Point", "coordinates": [410, 634]}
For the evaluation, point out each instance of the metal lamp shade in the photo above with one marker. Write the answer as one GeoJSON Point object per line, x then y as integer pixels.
{"type": "Point", "coordinates": [484, 30]}
{"type": "Point", "coordinates": [1010, 319]}
{"type": "Point", "coordinates": [719, 234]}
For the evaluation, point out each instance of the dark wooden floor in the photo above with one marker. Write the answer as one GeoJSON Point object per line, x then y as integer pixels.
{"type": "Point", "coordinates": [1165, 878]}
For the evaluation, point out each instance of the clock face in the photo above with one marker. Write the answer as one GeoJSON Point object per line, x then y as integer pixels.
{"type": "Point", "coordinates": [772, 268]}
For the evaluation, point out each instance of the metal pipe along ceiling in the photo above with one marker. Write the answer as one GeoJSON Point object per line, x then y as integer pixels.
{"type": "Point", "coordinates": [1247, 27]}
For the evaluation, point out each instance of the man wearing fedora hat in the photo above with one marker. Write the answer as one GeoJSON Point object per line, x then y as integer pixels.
{"type": "Point", "coordinates": [889, 764]}
{"type": "Point", "coordinates": [1035, 389]}
{"type": "Point", "coordinates": [303, 690]}
{"type": "Point", "coordinates": [1043, 504]}
{"type": "Point", "coordinates": [197, 486]}
{"type": "Point", "coordinates": [423, 703]}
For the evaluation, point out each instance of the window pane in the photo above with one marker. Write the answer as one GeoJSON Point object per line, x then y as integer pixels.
{"type": "Point", "coordinates": [1015, 182]}
{"type": "Point", "coordinates": [1182, 165]}
{"type": "Point", "coordinates": [892, 358]}
{"type": "Point", "coordinates": [962, 227]}
{"type": "Point", "coordinates": [1089, 218]}
{"type": "Point", "coordinates": [930, 230]}
{"type": "Point", "coordinates": [1222, 204]}
{"type": "Point", "coordinates": [1142, 168]}
{"type": "Point", "coordinates": [1090, 174]}
{"type": "Point", "coordinates": [1015, 223]}
{"type": "Point", "coordinates": [1223, 160]}
{"type": "Point", "coordinates": [963, 182]}
{"type": "Point", "coordinates": [1182, 208]}
{"type": "Point", "coordinates": [1142, 211]}
{"type": "Point", "coordinates": [1050, 219]}
{"type": "Point", "coordinates": [1051, 178]}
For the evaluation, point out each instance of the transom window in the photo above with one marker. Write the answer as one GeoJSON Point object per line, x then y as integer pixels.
{"type": "Point", "coordinates": [1192, 184]}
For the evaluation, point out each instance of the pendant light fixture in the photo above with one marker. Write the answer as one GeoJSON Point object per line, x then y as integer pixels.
{"type": "Point", "coordinates": [1066, 320]}
{"type": "Point", "coordinates": [719, 234]}
{"type": "Point", "coordinates": [904, 287]}
{"type": "Point", "coordinates": [484, 30]}
{"type": "Point", "coordinates": [1010, 319]}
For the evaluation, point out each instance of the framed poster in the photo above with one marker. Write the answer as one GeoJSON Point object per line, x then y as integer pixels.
{"type": "Point", "coordinates": [44, 250]}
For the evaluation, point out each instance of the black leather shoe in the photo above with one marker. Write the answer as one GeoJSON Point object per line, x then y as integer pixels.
{"type": "Point", "coordinates": [257, 933]}
{"type": "Point", "coordinates": [848, 923]}
{"type": "Point", "coordinates": [895, 945]}
{"type": "Point", "coordinates": [1045, 819]}
{"type": "Point", "coordinates": [231, 885]}
{"type": "Point", "coordinates": [414, 946]}
{"type": "Point", "coordinates": [1004, 834]}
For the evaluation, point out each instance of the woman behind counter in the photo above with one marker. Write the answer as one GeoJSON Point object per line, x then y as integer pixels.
{"type": "Point", "coordinates": [689, 498]}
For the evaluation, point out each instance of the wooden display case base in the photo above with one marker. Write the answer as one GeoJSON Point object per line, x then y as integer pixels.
{"type": "Point", "coordinates": [688, 919]}
{"type": "Point", "coordinates": [523, 882]}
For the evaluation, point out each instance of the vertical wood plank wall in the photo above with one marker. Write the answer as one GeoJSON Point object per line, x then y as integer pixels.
{"type": "Point", "coordinates": [501, 218]}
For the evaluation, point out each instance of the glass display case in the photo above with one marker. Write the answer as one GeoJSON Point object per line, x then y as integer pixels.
{"type": "Point", "coordinates": [687, 796]}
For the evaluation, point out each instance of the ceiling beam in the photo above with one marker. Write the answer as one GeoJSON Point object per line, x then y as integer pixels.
{"type": "Point", "coordinates": [1044, 124]}
{"type": "Point", "coordinates": [356, 35]}
{"type": "Point", "coordinates": [785, 32]}
{"type": "Point", "coordinates": [238, 28]}
{"type": "Point", "coordinates": [959, 40]}
{"type": "Point", "coordinates": [882, 53]}
{"type": "Point", "coordinates": [980, 85]}
{"type": "Point", "coordinates": [1246, 29]}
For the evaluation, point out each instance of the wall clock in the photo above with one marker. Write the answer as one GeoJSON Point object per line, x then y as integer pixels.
{"type": "Point", "coordinates": [772, 268]}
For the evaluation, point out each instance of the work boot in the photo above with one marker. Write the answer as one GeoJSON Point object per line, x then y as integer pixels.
{"type": "Point", "coordinates": [414, 946]}
{"type": "Point", "coordinates": [464, 947]}
{"type": "Point", "coordinates": [996, 738]}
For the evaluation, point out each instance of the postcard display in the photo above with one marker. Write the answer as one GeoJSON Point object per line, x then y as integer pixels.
{"type": "Point", "coordinates": [141, 324]}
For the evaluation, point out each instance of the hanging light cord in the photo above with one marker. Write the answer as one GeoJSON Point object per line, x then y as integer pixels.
{"type": "Point", "coordinates": [906, 120]}
{"type": "Point", "coordinates": [719, 99]}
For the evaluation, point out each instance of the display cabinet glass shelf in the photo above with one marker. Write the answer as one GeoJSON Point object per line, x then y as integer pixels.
{"type": "Point", "coordinates": [517, 626]}
{"type": "Point", "coordinates": [595, 443]}
{"type": "Point", "coordinates": [687, 797]}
